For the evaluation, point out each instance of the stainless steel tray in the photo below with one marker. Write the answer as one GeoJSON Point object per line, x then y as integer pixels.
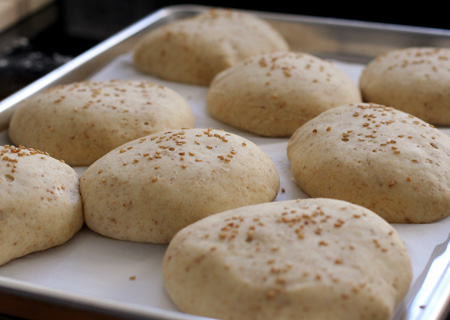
{"type": "Point", "coordinates": [353, 42]}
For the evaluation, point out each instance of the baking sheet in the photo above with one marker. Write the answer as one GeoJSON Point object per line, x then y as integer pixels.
{"type": "Point", "coordinates": [125, 277]}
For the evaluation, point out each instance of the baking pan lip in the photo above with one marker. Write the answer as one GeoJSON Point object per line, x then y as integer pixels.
{"type": "Point", "coordinates": [434, 291]}
{"type": "Point", "coordinates": [79, 66]}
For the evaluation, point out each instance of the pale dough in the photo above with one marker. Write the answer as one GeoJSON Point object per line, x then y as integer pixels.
{"type": "Point", "coordinates": [297, 259]}
{"type": "Point", "coordinates": [193, 50]}
{"type": "Point", "coordinates": [80, 122]}
{"type": "Point", "coordinates": [382, 158]}
{"type": "Point", "coordinates": [415, 80]}
{"type": "Point", "coordinates": [40, 202]}
{"type": "Point", "coordinates": [275, 93]}
{"type": "Point", "coordinates": [148, 189]}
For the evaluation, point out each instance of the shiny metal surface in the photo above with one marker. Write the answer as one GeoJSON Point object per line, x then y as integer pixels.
{"type": "Point", "coordinates": [351, 41]}
{"type": "Point", "coordinates": [345, 40]}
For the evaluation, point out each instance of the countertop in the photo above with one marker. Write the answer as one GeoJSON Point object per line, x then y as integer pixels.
{"type": "Point", "coordinates": [47, 34]}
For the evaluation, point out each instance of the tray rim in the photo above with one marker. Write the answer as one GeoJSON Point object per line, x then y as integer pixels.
{"type": "Point", "coordinates": [434, 291]}
{"type": "Point", "coordinates": [55, 77]}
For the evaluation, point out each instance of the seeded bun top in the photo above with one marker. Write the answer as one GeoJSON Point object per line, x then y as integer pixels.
{"type": "Point", "coordinates": [40, 203]}
{"type": "Point", "coordinates": [382, 158]}
{"type": "Point", "coordinates": [149, 188]}
{"type": "Point", "coordinates": [297, 259]}
{"type": "Point", "coordinates": [80, 122]}
{"type": "Point", "coordinates": [415, 80]}
{"type": "Point", "coordinates": [195, 49]}
{"type": "Point", "coordinates": [273, 94]}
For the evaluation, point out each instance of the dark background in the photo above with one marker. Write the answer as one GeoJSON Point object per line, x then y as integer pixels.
{"type": "Point", "coordinates": [66, 28]}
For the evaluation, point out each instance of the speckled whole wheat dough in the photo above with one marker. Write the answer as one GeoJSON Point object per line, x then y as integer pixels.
{"type": "Point", "coordinates": [82, 121]}
{"type": "Point", "coordinates": [148, 189]}
{"type": "Point", "coordinates": [415, 80]}
{"type": "Point", "coordinates": [273, 94]}
{"type": "Point", "coordinates": [195, 49]}
{"type": "Point", "coordinates": [40, 202]}
{"type": "Point", "coordinates": [382, 158]}
{"type": "Point", "coordinates": [297, 259]}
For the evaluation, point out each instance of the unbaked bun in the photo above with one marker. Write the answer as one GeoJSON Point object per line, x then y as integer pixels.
{"type": "Point", "coordinates": [415, 80]}
{"type": "Point", "coordinates": [149, 188]}
{"type": "Point", "coordinates": [195, 49]}
{"type": "Point", "coordinates": [80, 122]}
{"type": "Point", "coordinates": [382, 158]}
{"type": "Point", "coordinates": [273, 94]}
{"type": "Point", "coordinates": [40, 203]}
{"type": "Point", "coordinates": [297, 259]}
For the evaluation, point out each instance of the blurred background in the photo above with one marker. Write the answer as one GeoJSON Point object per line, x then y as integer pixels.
{"type": "Point", "coordinates": [36, 36]}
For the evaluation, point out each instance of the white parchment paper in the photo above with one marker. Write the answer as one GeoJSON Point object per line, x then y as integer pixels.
{"type": "Point", "coordinates": [100, 271]}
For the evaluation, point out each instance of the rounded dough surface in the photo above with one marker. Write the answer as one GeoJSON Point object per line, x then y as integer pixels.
{"type": "Point", "coordinates": [80, 122]}
{"type": "Point", "coordinates": [381, 158]}
{"type": "Point", "coordinates": [275, 93]}
{"type": "Point", "coordinates": [148, 189]}
{"type": "Point", "coordinates": [414, 80]}
{"type": "Point", "coordinates": [40, 202]}
{"type": "Point", "coordinates": [297, 259]}
{"type": "Point", "coordinates": [195, 49]}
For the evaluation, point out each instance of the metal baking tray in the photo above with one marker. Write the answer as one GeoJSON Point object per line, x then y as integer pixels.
{"type": "Point", "coordinates": [352, 43]}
